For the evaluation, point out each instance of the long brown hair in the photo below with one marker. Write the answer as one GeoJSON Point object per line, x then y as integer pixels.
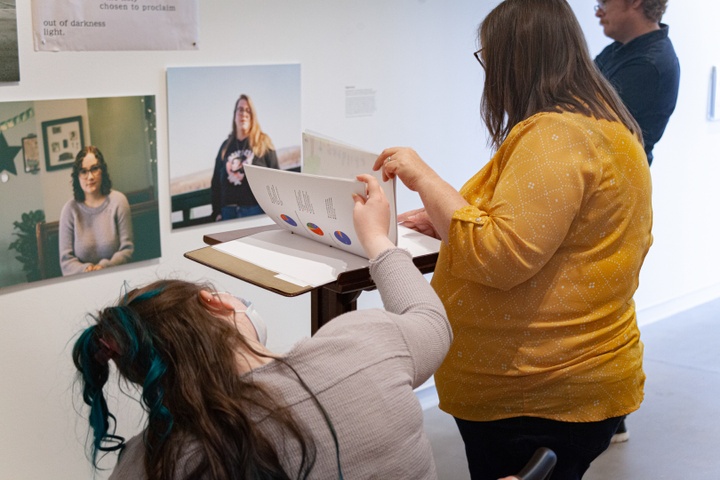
{"type": "Point", "coordinates": [260, 142]}
{"type": "Point", "coordinates": [162, 338]}
{"type": "Point", "coordinates": [536, 60]}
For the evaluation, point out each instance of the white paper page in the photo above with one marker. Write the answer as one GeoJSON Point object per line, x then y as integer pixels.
{"type": "Point", "coordinates": [115, 25]}
{"type": "Point", "coordinates": [296, 259]}
{"type": "Point", "coordinates": [417, 243]}
{"type": "Point", "coordinates": [305, 262]}
{"type": "Point", "coordinates": [324, 156]}
{"type": "Point", "coordinates": [319, 208]}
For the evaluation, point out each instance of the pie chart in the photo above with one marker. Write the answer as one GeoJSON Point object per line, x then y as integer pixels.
{"type": "Point", "coordinates": [342, 237]}
{"type": "Point", "coordinates": [288, 220]}
{"type": "Point", "coordinates": [315, 229]}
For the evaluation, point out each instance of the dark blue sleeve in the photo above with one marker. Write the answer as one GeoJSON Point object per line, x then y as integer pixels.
{"type": "Point", "coordinates": [639, 87]}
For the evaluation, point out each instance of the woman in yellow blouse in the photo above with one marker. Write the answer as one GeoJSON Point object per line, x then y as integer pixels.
{"type": "Point", "coordinates": [541, 250]}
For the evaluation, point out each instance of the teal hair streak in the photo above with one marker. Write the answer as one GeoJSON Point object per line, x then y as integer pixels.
{"type": "Point", "coordinates": [141, 352]}
{"type": "Point", "coordinates": [123, 324]}
{"type": "Point", "coordinates": [94, 375]}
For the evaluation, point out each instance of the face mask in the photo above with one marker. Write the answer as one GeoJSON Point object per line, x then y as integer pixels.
{"type": "Point", "coordinates": [257, 321]}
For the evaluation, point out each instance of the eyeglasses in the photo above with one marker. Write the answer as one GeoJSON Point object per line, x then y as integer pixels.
{"type": "Point", "coordinates": [478, 57]}
{"type": "Point", "coordinates": [600, 5]}
{"type": "Point", "coordinates": [243, 110]}
{"type": "Point", "coordinates": [84, 172]}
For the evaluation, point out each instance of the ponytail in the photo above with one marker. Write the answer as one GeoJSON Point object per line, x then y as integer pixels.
{"type": "Point", "coordinates": [163, 339]}
{"type": "Point", "coordinates": [91, 362]}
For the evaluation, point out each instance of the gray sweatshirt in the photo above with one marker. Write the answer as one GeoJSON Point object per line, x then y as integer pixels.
{"type": "Point", "coordinates": [363, 367]}
{"type": "Point", "coordinates": [95, 236]}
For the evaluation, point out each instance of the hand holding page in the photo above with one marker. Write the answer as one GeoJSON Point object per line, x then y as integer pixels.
{"type": "Point", "coordinates": [317, 206]}
{"type": "Point", "coordinates": [320, 206]}
{"type": "Point", "coordinates": [330, 158]}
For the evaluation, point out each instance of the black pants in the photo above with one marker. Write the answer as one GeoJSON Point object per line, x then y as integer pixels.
{"type": "Point", "coordinates": [501, 448]}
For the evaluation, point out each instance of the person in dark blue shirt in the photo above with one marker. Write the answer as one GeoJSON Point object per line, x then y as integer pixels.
{"type": "Point", "coordinates": [641, 63]}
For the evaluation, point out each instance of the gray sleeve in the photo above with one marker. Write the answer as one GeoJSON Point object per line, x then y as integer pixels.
{"type": "Point", "coordinates": [131, 462]}
{"type": "Point", "coordinates": [69, 263]}
{"type": "Point", "coordinates": [123, 220]}
{"type": "Point", "coordinates": [420, 315]}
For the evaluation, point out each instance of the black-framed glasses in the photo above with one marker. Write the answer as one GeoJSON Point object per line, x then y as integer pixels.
{"type": "Point", "coordinates": [84, 172]}
{"type": "Point", "coordinates": [243, 110]}
{"type": "Point", "coordinates": [478, 57]}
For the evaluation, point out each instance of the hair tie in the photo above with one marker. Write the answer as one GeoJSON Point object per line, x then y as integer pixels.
{"type": "Point", "coordinates": [108, 351]}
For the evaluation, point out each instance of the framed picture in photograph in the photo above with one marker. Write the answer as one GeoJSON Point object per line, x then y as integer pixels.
{"type": "Point", "coordinates": [62, 139]}
{"type": "Point", "coordinates": [31, 155]}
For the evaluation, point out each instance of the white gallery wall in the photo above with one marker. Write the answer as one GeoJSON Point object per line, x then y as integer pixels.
{"type": "Point", "coordinates": [415, 56]}
{"type": "Point", "coordinates": [682, 267]}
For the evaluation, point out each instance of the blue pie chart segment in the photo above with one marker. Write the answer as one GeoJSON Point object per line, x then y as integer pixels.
{"type": "Point", "coordinates": [288, 220]}
{"type": "Point", "coordinates": [342, 237]}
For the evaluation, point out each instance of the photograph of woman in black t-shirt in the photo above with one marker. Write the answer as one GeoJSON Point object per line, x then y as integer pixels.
{"type": "Point", "coordinates": [246, 144]}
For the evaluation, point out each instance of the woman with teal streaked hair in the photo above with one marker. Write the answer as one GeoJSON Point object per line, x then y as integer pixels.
{"type": "Point", "coordinates": [221, 405]}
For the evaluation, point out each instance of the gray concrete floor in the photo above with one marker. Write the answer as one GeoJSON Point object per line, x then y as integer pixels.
{"type": "Point", "coordinates": [673, 435]}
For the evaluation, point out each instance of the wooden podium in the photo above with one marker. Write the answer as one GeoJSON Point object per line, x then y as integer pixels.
{"type": "Point", "coordinates": [326, 301]}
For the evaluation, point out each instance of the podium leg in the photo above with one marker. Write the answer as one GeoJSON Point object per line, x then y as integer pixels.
{"type": "Point", "coordinates": [326, 305]}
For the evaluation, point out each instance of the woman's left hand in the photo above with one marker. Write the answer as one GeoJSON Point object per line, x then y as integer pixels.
{"type": "Point", "coordinates": [371, 217]}
{"type": "Point", "coordinates": [419, 221]}
{"type": "Point", "coordinates": [406, 164]}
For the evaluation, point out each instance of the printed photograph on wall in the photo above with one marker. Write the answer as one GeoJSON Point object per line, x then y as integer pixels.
{"type": "Point", "coordinates": [85, 197]}
{"type": "Point", "coordinates": [31, 156]}
{"type": "Point", "coordinates": [9, 58]}
{"type": "Point", "coordinates": [220, 119]}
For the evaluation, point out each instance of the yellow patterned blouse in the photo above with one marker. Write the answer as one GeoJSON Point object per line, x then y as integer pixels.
{"type": "Point", "coordinates": [539, 272]}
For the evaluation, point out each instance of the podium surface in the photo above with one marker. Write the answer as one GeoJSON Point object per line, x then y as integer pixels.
{"type": "Point", "coordinates": [326, 301]}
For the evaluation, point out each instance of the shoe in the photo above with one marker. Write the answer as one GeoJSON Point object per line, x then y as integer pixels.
{"type": "Point", "coordinates": [621, 434]}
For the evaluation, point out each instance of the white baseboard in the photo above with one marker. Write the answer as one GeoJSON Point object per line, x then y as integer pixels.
{"type": "Point", "coordinates": [649, 315]}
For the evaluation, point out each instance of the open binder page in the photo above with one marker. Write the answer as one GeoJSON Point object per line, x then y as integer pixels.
{"type": "Point", "coordinates": [305, 262]}
{"type": "Point", "coordinates": [319, 208]}
{"type": "Point", "coordinates": [294, 258]}
{"type": "Point", "coordinates": [331, 158]}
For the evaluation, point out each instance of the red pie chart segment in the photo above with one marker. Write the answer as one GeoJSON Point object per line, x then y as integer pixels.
{"type": "Point", "coordinates": [315, 229]}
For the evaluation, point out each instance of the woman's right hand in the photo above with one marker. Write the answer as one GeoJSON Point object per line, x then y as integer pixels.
{"type": "Point", "coordinates": [371, 217]}
{"type": "Point", "coordinates": [419, 221]}
{"type": "Point", "coordinates": [440, 198]}
{"type": "Point", "coordinates": [405, 164]}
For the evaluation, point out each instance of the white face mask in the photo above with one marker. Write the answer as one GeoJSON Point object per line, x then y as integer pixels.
{"type": "Point", "coordinates": [257, 321]}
